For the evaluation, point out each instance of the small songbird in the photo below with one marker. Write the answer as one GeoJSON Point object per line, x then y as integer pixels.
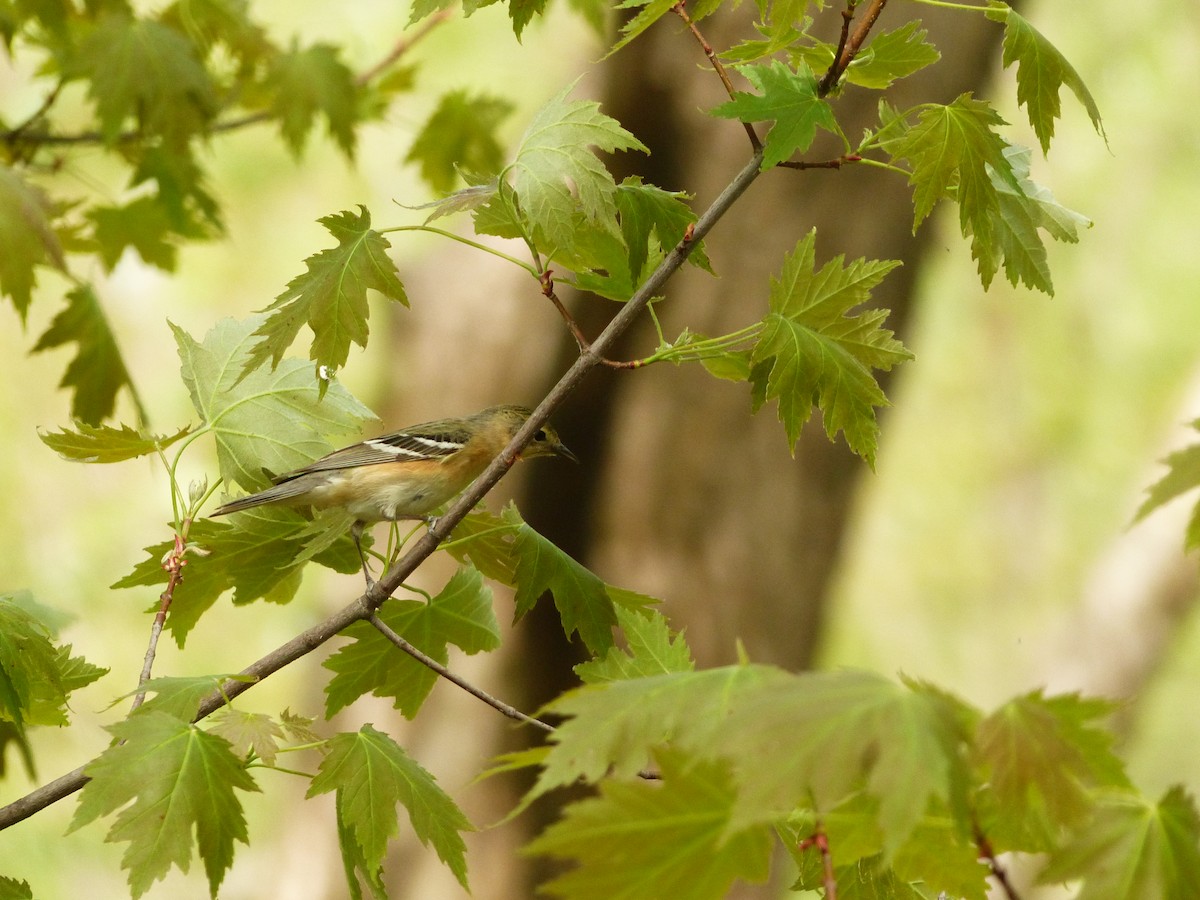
{"type": "Point", "coordinates": [405, 474]}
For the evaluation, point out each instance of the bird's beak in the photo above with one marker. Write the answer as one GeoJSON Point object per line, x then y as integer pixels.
{"type": "Point", "coordinates": [561, 450]}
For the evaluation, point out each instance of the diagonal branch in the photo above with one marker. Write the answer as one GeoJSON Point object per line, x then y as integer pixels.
{"type": "Point", "coordinates": [364, 607]}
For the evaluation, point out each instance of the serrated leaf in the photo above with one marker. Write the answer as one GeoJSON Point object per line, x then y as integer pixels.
{"type": "Point", "coordinates": [168, 779]}
{"type": "Point", "coordinates": [97, 371]}
{"type": "Point", "coordinates": [1013, 233]}
{"type": "Point", "coordinates": [657, 840]}
{"type": "Point", "coordinates": [141, 71]}
{"type": "Point", "coordinates": [460, 134]}
{"type": "Point", "coordinates": [142, 225]}
{"type": "Point", "coordinates": [788, 98]}
{"type": "Point", "coordinates": [580, 597]}
{"type": "Point", "coordinates": [298, 727]}
{"type": "Point", "coordinates": [1183, 475]}
{"type": "Point", "coordinates": [1133, 849]}
{"type": "Point", "coordinates": [331, 296]}
{"type": "Point", "coordinates": [309, 81]}
{"type": "Point", "coordinates": [275, 420]}
{"type": "Point", "coordinates": [522, 12]}
{"type": "Point", "coordinates": [812, 350]}
{"type": "Point", "coordinates": [556, 174]}
{"type": "Point", "coordinates": [106, 444]}
{"type": "Point", "coordinates": [844, 732]}
{"type": "Point", "coordinates": [1041, 73]}
{"type": "Point", "coordinates": [31, 683]}
{"type": "Point", "coordinates": [651, 215]}
{"type": "Point", "coordinates": [257, 554]}
{"type": "Point", "coordinates": [12, 889]}
{"type": "Point", "coordinates": [891, 56]}
{"type": "Point", "coordinates": [178, 696]}
{"type": "Point", "coordinates": [248, 732]}
{"type": "Point", "coordinates": [651, 12]}
{"type": "Point", "coordinates": [650, 649]}
{"type": "Point", "coordinates": [953, 149]}
{"type": "Point", "coordinates": [372, 775]}
{"type": "Point", "coordinates": [27, 237]}
{"type": "Point", "coordinates": [461, 614]}
{"type": "Point", "coordinates": [1042, 759]}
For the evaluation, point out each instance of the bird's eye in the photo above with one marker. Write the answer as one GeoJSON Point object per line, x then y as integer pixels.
{"type": "Point", "coordinates": [540, 434]}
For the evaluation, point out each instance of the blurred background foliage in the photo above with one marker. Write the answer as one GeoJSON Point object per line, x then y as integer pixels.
{"type": "Point", "coordinates": [990, 552]}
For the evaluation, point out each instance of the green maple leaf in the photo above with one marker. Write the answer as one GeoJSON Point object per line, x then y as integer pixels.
{"type": "Point", "coordinates": [1183, 475]}
{"type": "Point", "coordinates": [31, 678]}
{"type": "Point", "coordinates": [787, 98]}
{"type": "Point", "coordinates": [141, 224]}
{"type": "Point", "coordinates": [277, 419]}
{"type": "Point", "coordinates": [97, 371]}
{"type": "Point", "coordinates": [954, 150]}
{"type": "Point", "coordinates": [581, 598]}
{"type": "Point", "coordinates": [460, 134]}
{"type": "Point", "coordinates": [650, 649]}
{"type": "Point", "coordinates": [106, 444]}
{"type": "Point", "coordinates": [308, 81]}
{"type": "Point", "coordinates": [143, 71]}
{"type": "Point", "coordinates": [1015, 226]}
{"type": "Point", "coordinates": [1132, 849]}
{"type": "Point", "coordinates": [650, 217]}
{"type": "Point", "coordinates": [331, 296]}
{"type": "Point", "coordinates": [178, 696]}
{"type": "Point", "coordinates": [248, 732]}
{"type": "Point", "coordinates": [891, 56]}
{"type": "Point", "coordinates": [1041, 73]}
{"type": "Point", "coordinates": [811, 350]}
{"type": "Point", "coordinates": [12, 889]}
{"type": "Point", "coordinates": [651, 12]}
{"type": "Point", "coordinates": [557, 176]}
{"type": "Point", "coordinates": [461, 614]}
{"type": "Point", "coordinates": [1041, 759]}
{"type": "Point", "coordinates": [616, 726]}
{"type": "Point", "coordinates": [671, 839]}
{"type": "Point", "coordinates": [168, 779]}
{"type": "Point", "coordinates": [372, 775]}
{"type": "Point", "coordinates": [27, 237]}
{"type": "Point", "coordinates": [845, 732]}
{"type": "Point", "coordinates": [258, 554]}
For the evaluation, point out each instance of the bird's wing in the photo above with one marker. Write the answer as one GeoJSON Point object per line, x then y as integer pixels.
{"type": "Point", "coordinates": [431, 441]}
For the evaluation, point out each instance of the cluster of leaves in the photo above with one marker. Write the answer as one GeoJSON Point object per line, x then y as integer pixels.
{"type": "Point", "coordinates": [912, 790]}
{"type": "Point", "coordinates": [915, 790]}
{"type": "Point", "coordinates": [157, 88]}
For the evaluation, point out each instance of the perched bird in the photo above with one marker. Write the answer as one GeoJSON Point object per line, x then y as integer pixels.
{"type": "Point", "coordinates": [405, 474]}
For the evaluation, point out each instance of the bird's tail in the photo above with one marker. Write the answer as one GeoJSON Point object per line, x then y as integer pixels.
{"type": "Point", "coordinates": [280, 493]}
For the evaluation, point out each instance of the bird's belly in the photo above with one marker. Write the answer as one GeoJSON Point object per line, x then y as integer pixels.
{"type": "Point", "coordinates": [372, 494]}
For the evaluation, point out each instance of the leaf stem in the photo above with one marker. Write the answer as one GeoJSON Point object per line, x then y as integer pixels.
{"type": "Point", "coordinates": [429, 662]}
{"type": "Point", "coordinates": [441, 232]}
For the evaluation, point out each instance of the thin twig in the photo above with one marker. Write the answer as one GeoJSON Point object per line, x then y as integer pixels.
{"type": "Point", "coordinates": [365, 605]}
{"type": "Point", "coordinates": [717, 65]}
{"type": "Point", "coordinates": [428, 661]}
{"type": "Point", "coordinates": [547, 280]}
{"type": "Point", "coordinates": [824, 164]}
{"type": "Point", "coordinates": [821, 841]}
{"type": "Point", "coordinates": [984, 846]}
{"type": "Point", "coordinates": [404, 44]}
{"type": "Point", "coordinates": [174, 564]}
{"type": "Point", "coordinates": [833, 72]}
{"type": "Point", "coordinates": [851, 45]}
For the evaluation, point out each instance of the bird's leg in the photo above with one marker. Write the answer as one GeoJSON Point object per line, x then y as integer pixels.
{"type": "Point", "coordinates": [356, 531]}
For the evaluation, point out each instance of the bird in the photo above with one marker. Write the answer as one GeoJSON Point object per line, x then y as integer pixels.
{"type": "Point", "coordinates": [405, 474]}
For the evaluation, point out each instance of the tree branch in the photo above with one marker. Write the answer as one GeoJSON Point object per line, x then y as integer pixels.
{"type": "Point", "coordinates": [850, 44]}
{"type": "Point", "coordinates": [366, 604]}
